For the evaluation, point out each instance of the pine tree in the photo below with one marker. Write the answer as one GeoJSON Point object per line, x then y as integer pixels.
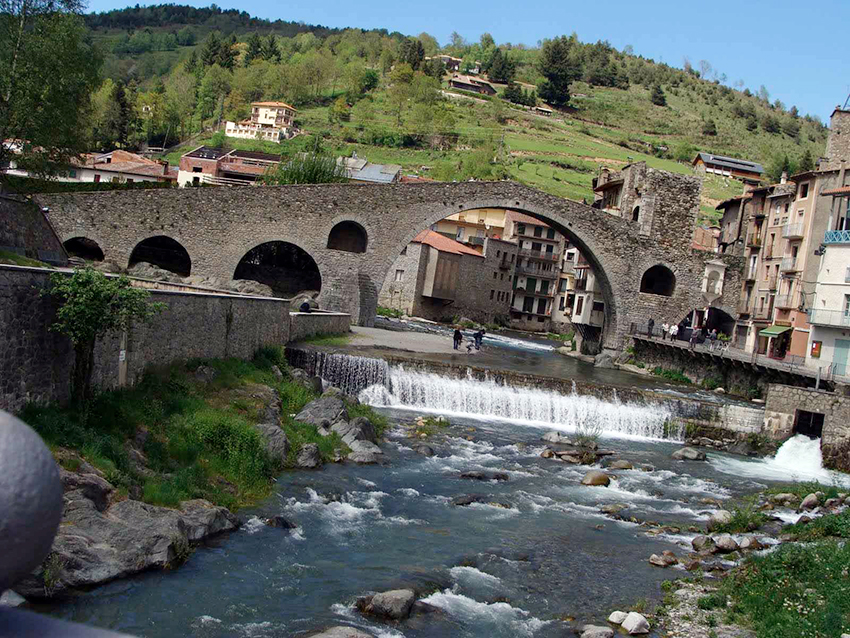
{"type": "Point", "coordinates": [658, 98]}
{"type": "Point", "coordinates": [211, 52]}
{"type": "Point", "coordinates": [560, 66]}
{"type": "Point", "coordinates": [191, 62]}
{"type": "Point", "coordinates": [255, 48]}
{"type": "Point", "coordinates": [271, 52]}
{"type": "Point", "coordinates": [807, 162]}
{"type": "Point", "coordinates": [709, 128]}
{"type": "Point", "coordinates": [500, 68]}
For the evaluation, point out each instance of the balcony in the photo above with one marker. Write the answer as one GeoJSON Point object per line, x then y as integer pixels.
{"type": "Point", "coordinates": [751, 273]}
{"type": "Point", "coordinates": [787, 302]}
{"type": "Point", "coordinates": [758, 213]}
{"type": "Point", "coordinates": [793, 231]}
{"type": "Point", "coordinates": [754, 240]}
{"type": "Point", "coordinates": [530, 271]}
{"type": "Point", "coordinates": [550, 292]}
{"type": "Point", "coordinates": [763, 313]}
{"type": "Point", "coordinates": [540, 254]}
{"type": "Point", "coordinates": [505, 265]}
{"type": "Point", "coordinates": [789, 264]}
{"type": "Point", "coordinates": [832, 318]}
{"type": "Point", "coordinates": [581, 284]}
{"type": "Point", "coordinates": [769, 283]}
{"type": "Point", "coordinates": [837, 237]}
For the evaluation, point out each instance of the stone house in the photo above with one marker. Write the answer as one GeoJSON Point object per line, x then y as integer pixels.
{"type": "Point", "coordinates": [469, 83]}
{"type": "Point", "coordinates": [269, 121]}
{"type": "Point", "coordinates": [438, 278]}
{"type": "Point", "coordinates": [220, 167]}
{"type": "Point", "coordinates": [744, 170]}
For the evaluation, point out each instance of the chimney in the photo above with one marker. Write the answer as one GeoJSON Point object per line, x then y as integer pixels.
{"type": "Point", "coordinates": [784, 178]}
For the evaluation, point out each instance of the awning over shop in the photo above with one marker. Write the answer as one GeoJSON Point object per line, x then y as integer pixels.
{"type": "Point", "coordinates": [774, 331]}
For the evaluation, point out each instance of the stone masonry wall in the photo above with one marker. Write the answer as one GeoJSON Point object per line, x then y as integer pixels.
{"type": "Point", "coordinates": [23, 225]}
{"type": "Point", "coordinates": [303, 325]}
{"type": "Point", "coordinates": [36, 364]}
{"type": "Point", "coordinates": [218, 226]}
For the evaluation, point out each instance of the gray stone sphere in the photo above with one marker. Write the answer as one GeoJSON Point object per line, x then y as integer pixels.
{"type": "Point", "coordinates": [30, 500]}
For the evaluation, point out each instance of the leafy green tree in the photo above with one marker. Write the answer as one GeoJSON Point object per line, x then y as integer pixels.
{"type": "Point", "coordinates": [255, 48]}
{"type": "Point", "coordinates": [709, 127]}
{"type": "Point", "coordinates": [411, 52]}
{"type": "Point", "coordinates": [657, 97]}
{"type": "Point", "coordinates": [435, 68]}
{"type": "Point", "coordinates": [91, 306]}
{"type": "Point", "coordinates": [307, 168]}
{"type": "Point", "coordinates": [429, 43]}
{"type": "Point", "coordinates": [560, 67]}
{"type": "Point", "coordinates": [770, 124]}
{"type": "Point", "coordinates": [778, 164]}
{"type": "Point", "coordinates": [339, 111]}
{"type": "Point", "coordinates": [513, 93]}
{"type": "Point", "coordinates": [791, 127]}
{"type": "Point", "coordinates": [48, 71]}
{"type": "Point", "coordinates": [186, 37]}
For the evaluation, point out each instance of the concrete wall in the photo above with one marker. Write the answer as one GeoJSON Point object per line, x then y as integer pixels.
{"type": "Point", "coordinates": [218, 226]}
{"type": "Point", "coordinates": [303, 324]}
{"type": "Point", "coordinates": [780, 412]}
{"type": "Point", "coordinates": [23, 225]}
{"type": "Point", "coordinates": [36, 364]}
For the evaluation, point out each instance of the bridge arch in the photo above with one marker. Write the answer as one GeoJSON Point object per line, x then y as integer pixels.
{"type": "Point", "coordinates": [590, 246]}
{"type": "Point", "coordinates": [162, 251]}
{"type": "Point", "coordinates": [84, 248]}
{"type": "Point", "coordinates": [348, 236]}
{"type": "Point", "coordinates": [284, 266]}
{"type": "Point", "coordinates": [658, 280]}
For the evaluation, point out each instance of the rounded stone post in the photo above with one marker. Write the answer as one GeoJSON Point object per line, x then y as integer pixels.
{"type": "Point", "coordinates": [30, 500]}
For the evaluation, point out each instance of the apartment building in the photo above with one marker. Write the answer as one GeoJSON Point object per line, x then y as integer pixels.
{"type": "Point", "coordinates": [538, 267]}
{"type": "Point", "coordinates": [588, 316]}
{"type": "Point", "coordinates": [269, 121]}
{"type": "Point", "coordinates": [562, 311]}
{"type": "Point", "coordinates": [222, 167]}
{"type": "Point", "coordinates": [472, 227]}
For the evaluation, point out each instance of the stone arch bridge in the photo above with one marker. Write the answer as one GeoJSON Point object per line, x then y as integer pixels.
{"type": "Point", "coordinates": [218, 226]}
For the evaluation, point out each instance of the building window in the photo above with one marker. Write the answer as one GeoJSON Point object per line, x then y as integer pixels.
{"type": "Point", "coordinates": [598, 306]}
{"type": "Point", "coordinates": [550, 234]}
{"type": "Point", "coordinates": [399, 275]}
{"type": "Point", "coordinates": [804, 190]}
{"type": "Point", "coordinates": [538, 231]}
{"type": "Point", "coordinates": [520, 229]}
{"type": "Point", "coordinates": [562, 285]}
{"type": "Point", "coordinates": [404, 250]}
{"type": "Point", "coordinates": [495, 274]}
{"type": "Point", "coordinates": [579, 305]}
{"type": "Point", "coordinates": [561, 301]}
{"type": "Point", "coordinates": [502, 277]}
{"type": "Point", "coordinates": [72, 173]}
{"type": "Point", "coordinates": [492, 292]}
{"type": "Point", "coordinates": [498, 253]}
{"type": "Point", "coordinates": [96, 177]}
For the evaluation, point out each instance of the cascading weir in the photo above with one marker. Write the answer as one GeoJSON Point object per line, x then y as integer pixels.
{"type": "Point", "coordinates": [381, 385]}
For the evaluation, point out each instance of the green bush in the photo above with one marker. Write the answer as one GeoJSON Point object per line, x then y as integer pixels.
{"type": "Point", "coordinates": [383, 311]}
{"type": "Point", "coordinates": [714, 600]}
{"type": "Point", "coordinates": [670, 375]}
{"type": "Point", "coordinates": [745, 518]}
{"type": "Point", "coordinates": [712, 382]}
{"type": "Point", "coordinates": [378, 420]}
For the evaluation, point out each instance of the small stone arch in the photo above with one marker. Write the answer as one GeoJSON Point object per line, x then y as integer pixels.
{"type": "Point", "coordinates": [164, 252]}
{"type": "Point", "coordinates": [658, 280]}
{"type": "Point", "coordinates": [348, 236]}
{"type": "Point", "coordinates": [284, 267]}
{"type": "Point", "coordinates": [84, 248]}
{"type": "Point", "coordinates": [636, 214]}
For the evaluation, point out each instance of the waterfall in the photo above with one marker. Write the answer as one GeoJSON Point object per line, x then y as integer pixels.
{"type": "Point", "coordinates": [541, 408]}
{"type": "Point", "coordinates": [350, 374]}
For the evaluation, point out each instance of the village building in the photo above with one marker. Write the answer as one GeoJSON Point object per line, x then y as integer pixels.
{"type": "Point", "coordinates": [222, 167]}
{"type": "Point", "coordinates": [452, 64]}
{"type": "Point", "coordinates": [562, 311]}
{"type": "Point", "coordinates": [472, 227]}
{"type": "Point", "coordinates": [440, 279]}
{"type": "Point", "coordinates": [470, 83]}
{"type": "Point", "coordinates": [358, 169]}
{"type": "Point", "coordinates": [744, 170]}
{"type": "Point", "coordinates": [117, 167]}
{"type": "Point", "coordinates": [269, 121]}
{"type": "Point", "coordinates": [733, 224]}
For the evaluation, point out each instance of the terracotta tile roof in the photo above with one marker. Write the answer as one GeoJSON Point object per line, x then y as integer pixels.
{"type": "Point", "coordinates": [274, 104]}
{"type": "Point", "coordinates": [524, 219]}
{"type": "Point", "coordinates": [444, 244]}
{"type": "Point", "coordinates": [844, 190]}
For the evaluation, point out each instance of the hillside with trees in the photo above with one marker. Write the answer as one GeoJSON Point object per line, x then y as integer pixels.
{"type": "Point", "coordinates": [174, 74]}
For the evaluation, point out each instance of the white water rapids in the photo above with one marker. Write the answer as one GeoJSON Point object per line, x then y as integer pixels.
{"type": "Point", "coordinates": [427, 392]}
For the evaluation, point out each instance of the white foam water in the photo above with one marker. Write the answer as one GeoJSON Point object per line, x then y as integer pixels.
{"type": "Point", "coordinates": [799, 459]}
{"type": "Point", "coordinates": [425, 392]}
{"type": "Point", "coordinates": [501, 618]}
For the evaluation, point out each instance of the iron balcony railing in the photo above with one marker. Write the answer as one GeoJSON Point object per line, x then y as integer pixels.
{"type": "Point", "coordinates": [540, 274]}
{"type": "Point", "coordinates": [793, 231]}
{"type": "Point", "coordinates": [581, 284]}
{"type": "Point", "coordinates": [539, 254]}
{"type": "Point", "coordinates": [751, 274]}
{"type": "Point", "coordinates": [789, 264]}
{"type": "Point", "coordinates": [837, 237]}
{"type": "Point", "coordinates": [787, 302]}
{"type": "Point", "coordinates": [836, 318]}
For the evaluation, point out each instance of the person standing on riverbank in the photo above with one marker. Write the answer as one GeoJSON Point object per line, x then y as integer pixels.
{"type": "Point", "coordinates": [479, 337]}
{"type": "Point", "coordinates": [458, 337]}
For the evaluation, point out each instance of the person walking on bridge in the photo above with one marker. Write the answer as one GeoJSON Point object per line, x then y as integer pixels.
{"type": "Point", "coordinates": [649, 326]}
{"type": "Point", "coordinates": [665, 328]}
{"type": "Point", "coordinates": [674, 332]}
{"type": "Point", "coordinates": [458, 337]}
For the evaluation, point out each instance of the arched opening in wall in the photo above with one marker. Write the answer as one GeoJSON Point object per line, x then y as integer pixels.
{"type": "Point", "coordinates": [636, 214]}
{"type": "Point", "coordinates": [658, 280]}
{"type": "Point", "coordinates": [84, 248]}
{"type": "Point", "coordinates": [162, 252]}
{"type": "Point", "coordinates": [348, 236]}
{"type": "Point", "coordinates": [285, 268]}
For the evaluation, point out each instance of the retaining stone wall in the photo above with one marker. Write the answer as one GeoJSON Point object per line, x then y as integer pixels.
{"type": "Point", "coordinates": [781, 407]}
{"type": "Point", "coordinates": [23, 225]}
{"type": "Point", "coordinates": [303, 324]}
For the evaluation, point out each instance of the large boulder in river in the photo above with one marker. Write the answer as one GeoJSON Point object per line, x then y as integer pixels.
{"type": "Point", "coordinates": [596, 631]}
{"type": "Point", "coordinates": [358, 429]}
{"type": "Point", "coordinates": [556, 437]}
{"type": "Point", "coordinates": [309, 457]}
{"type": "Point", "coordinates": [719, 519]}
{"type": "Point", "coordinates": [595, 477]}
{"type": "Point", "coordinates": [94, 547]}
{"type": "Point", "coordinates": [621, 464]}
{"type": "Point", "coordinates": [342, 632]}
{"type": "Point", "coordinates": [477, 475]}
{"type": "Point", "coordinates": [635, 624]}
{"type": "Point", "coordinates": [688, 454]}
{"type": "Point", "coordinates": [325, 408]}
{"type": "Point", "coordinates": [365, 446]}
{"type": "Point", "coordinates": [810, 502]}
{"type": "Point", "coordinates": [725, 544]}
{"type": "Point", "coordinates": [388, 605]}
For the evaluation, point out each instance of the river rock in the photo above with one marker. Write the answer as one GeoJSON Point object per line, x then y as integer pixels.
{"type": "Point", "coordinates": [725, 544]}
{"type": "Point", "coordinates": [485, 476]}
{"type": "Point", "coordinates": [359, 429]}
{"type": "Point", "coordinates": [548, 453]}
{"type": "Point", "coordinates": [313, 384]}
{"type": "Point", "coordinates": [205, 374]}
{"type": "Point", "coordinates": [635, 624]}
{"type": "Point", "coordinates": [365, 446]}
{"type": "Point", "coordinates": [595, 631]}
{"type": "Point", "coordinates": [280, 522]}
{"type": "Point", "coordinates": [718, 518]}
{"type": "Point", "coordinates": [617, 617]}
{"type": "Point", "coordinates": [568, 456]}
{"type": "Point", "coordinates": [666, 559]}
{"type": "Point", "coordinates": [604, 360]}
{"type": "Point", "coordinates": [92, 487]}
{"type": "Point", "coordinates": [703, 544]}
{"type": "Point", "coordinates": [309, 457]}
{"type": "Point", "coordinates": [423, 448]}
{"type": "Point", "coordinates": [749, 543]}
{"type": "Point", "coordinates": [613, 508]}
{"type": "Point", "coordinates": [94, 547]}
{"type": "Point", "coordinates": [365, 458]}
{"type": "Point", "coordinates": [832, 502]}
{"type": "Point", "coordinates": [388, 605]}
{"type": "Point", "coordinates": [342, 632]}
{"type": "Point", "coordinates": [621, 464]}
{"type": "Point", "coordinates": [810, 502]}
{"type": "Point", "coordinates": [326, 408]}
{"type": "Point", "coordinates": [688, 454]}
{"type": "Point", "coordinates": [595, 477]}
{"type": "Point", "coordinates": [469, 499]}
{"type": "Point", "coordinates": [784, 498]}
{"type": "Point", "coordinates": [556, 437]}
{"type": "Point", "coordinates": [9, 598]}
{"type": "Point", "coordinates": [274, 439]}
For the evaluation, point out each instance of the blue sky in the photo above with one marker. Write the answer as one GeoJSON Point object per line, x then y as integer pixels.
{"type": "Point", "coordinates": [793, 48]}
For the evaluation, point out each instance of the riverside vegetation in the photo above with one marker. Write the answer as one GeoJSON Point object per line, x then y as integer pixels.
{"type": "Point", "coordinates": [196, 436]}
